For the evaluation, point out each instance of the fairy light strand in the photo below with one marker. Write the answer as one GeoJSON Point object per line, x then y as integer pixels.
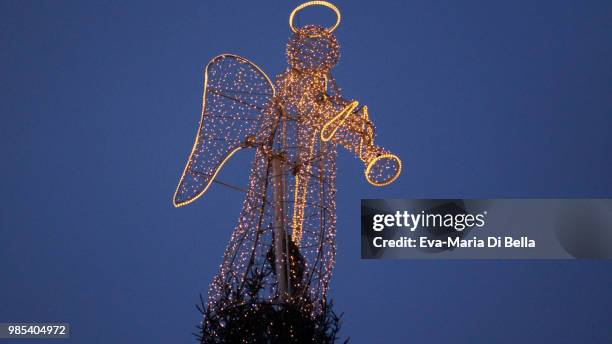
{"type": "Point", "coordinates": [301, 119]}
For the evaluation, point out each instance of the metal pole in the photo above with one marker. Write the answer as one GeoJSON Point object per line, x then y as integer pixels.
{"type": "Point", "coordinates": [280, 248]}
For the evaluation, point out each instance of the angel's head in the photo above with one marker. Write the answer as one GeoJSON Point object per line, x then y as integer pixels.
{"type": "Point", "coordinates": [312, 48]}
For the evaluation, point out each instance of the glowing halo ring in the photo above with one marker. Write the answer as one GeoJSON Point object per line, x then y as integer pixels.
{"type": "Point", "coordinates": [315, 3]}
{"type": "Point", "coordinates": [388, 180]}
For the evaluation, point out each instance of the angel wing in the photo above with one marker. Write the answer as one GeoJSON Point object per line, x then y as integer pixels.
{"type": "Point", "coordinates": [237, 111]}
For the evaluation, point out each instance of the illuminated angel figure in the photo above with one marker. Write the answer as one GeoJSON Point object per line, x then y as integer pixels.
{"type": "Point", "coordinates": [286, 229]}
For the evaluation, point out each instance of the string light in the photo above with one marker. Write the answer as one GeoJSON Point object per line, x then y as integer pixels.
{"type": "Point", "coordinates": [301, 119]}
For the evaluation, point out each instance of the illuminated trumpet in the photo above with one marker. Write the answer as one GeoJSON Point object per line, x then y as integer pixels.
{"type": "Point", "coordinates": [352, 129]}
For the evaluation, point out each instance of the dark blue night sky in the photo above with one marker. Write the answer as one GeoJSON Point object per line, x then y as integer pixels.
{"type": "Point", "coordinates": [481, 99]}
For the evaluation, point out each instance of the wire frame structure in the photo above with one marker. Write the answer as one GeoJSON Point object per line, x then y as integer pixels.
{"type": "Point", "coordinates": [286, 229]}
